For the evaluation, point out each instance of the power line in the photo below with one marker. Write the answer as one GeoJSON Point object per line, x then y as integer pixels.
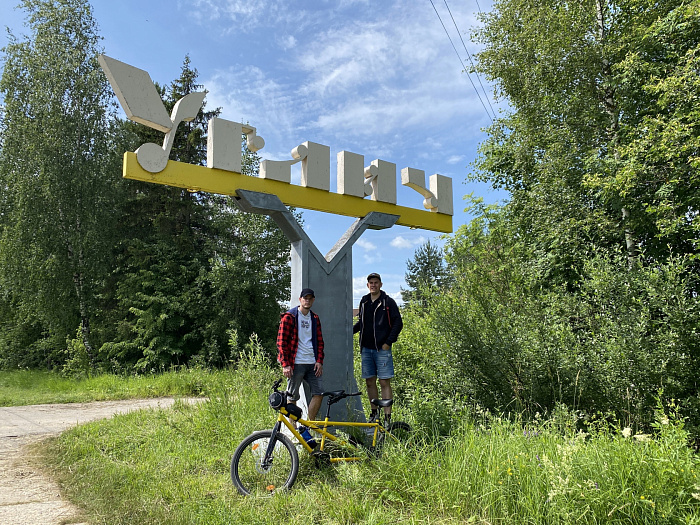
{"type": "Point", "coordinates": [461, 61]}
{"type": "Point", "coordinates": [470, 57]}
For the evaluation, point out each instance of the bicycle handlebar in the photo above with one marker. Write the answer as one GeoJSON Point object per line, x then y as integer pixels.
{"type": "Point", "coordinates": [333, 396]}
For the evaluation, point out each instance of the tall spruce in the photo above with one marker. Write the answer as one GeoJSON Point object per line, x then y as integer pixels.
{"type": "Point", "coordinates": [425, 274]}
{"type": "Point", "coordinates": [191, 268]}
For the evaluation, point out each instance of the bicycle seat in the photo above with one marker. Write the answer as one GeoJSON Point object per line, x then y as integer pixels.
{"type": "Point", "coordinates": [382, 402]}
{"type": "Point", "coordinates": [334, 393]}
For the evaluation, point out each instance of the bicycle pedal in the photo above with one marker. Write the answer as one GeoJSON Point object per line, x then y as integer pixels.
{"type": "Point", "coordinates": [321, 458]}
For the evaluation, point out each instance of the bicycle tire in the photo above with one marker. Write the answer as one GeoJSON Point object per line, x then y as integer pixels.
{"type": "Point", "coordinates": [398, 431]}
{"type": "Point", "coordinates": [247, 474]}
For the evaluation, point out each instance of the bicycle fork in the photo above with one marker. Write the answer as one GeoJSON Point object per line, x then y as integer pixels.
{"type": "Point", "coordinates": [266, 461]}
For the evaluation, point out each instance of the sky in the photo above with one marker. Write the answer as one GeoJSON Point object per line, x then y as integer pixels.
{"type": "Point", "coordinates": [380, 78]}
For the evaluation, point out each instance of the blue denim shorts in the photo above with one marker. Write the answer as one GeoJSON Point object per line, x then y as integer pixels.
{"type": "Point", "coordinates": [377, 363]}
{"type": "Point", "coordinates": [306, 374]}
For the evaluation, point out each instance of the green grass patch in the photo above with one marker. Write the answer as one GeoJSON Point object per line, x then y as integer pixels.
{"type": "Point", "coordinates": [29, 387]}
{"type": "Point", "coordinates": [172, 466]}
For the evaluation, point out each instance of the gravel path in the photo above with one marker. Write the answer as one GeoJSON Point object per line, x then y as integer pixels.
{"type": "Point", "coordinates": [26, 496]}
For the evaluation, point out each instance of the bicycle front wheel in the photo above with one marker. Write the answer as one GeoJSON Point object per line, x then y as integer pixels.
{"type": "Point", "coordinates": [254, 478]}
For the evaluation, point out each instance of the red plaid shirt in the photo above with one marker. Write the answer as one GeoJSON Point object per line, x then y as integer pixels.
{"type": "Point", "coordinates": [288, 338]}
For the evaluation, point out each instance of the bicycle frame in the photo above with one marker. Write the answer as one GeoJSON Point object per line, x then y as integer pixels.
{"type": "Point", "coordinates": [321, 427]}
{"type": "Point", "coordinates": [268, 460]}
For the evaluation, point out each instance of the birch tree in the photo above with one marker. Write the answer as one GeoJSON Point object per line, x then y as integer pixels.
{"type": "Point", "coordinates": [58, 168]}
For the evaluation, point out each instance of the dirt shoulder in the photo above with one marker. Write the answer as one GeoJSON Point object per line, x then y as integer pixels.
{"type": "Point", "coordinates": [26, 495]}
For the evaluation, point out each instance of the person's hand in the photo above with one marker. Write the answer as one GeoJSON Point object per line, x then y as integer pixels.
{"type": "Point", "coordinates": [318, 369]}
{"type": "Point", "coordinates": [287, 371]}
{"type": "Point", "coordinates": [386, 347]}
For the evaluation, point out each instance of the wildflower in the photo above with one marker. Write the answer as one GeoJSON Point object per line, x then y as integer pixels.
{"type": "Point", "coordinates": [642, 437]}
{"type": "Point", "coordinates": [626, 432]}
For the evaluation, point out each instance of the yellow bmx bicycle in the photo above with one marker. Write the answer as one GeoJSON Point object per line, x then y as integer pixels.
{"type": "Point", "coordinates": [267, 461]}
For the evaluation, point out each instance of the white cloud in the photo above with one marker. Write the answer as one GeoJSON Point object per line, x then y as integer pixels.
{"type": "Point", "coordinates": [359, 286]}
{"type": "Point", "coordinates": [288, 42]}
{"type": "Point", "coordinates": [455, 159]}
{"type": "Point", "coordinates": [396, 297]}
{"type": "Point", "coordinates": [366, 244]}
{"type": "Point", "coordinates": [390, 283]}
{"type": "Point", "coordinates": [403, 243]}
{"type": "Point", "coordinates": [371, 257]}
{"type": "Point", "coordinates": [357, 71]}
{"type": "Point", "coordinates": [240, 15]}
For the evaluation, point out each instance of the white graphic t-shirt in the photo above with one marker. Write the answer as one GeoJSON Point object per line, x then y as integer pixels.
{"type": "Point", "coordinates": [305, 350]}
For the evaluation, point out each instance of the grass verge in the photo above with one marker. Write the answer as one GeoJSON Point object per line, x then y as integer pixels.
{"type": "Point", "coordinates": [29, 387]}
{"type": "Point", "coordinates": [172, 466]}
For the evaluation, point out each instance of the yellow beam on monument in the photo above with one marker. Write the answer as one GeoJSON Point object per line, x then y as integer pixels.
{"type": "Point", "coordinates": [212, 180]}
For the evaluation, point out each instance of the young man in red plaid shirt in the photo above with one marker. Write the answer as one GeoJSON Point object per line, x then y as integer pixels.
{"type": "Point", "coordinates": [300, 350]}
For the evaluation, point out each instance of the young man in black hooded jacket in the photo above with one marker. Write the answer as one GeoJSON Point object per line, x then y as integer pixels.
{"type": "Point", "coordinates": [379, 325]}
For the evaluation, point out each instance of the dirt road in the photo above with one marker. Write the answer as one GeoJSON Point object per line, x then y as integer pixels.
{"type": "Point", "coordinates": [26, 496]}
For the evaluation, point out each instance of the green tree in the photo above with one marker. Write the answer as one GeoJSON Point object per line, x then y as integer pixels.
{"type": "Point", "coordinates": [583, 288]}
{"type": "Point", "coordinates": [425, 275]}
{"type": "Point", "coordinates": [583, 95]}
{"type": "Point", "coordinates": [191, 267]}
{"type": "Point", "coordinates": [58, 172]}
{"type": "Point", "coordinates": [654, 168]}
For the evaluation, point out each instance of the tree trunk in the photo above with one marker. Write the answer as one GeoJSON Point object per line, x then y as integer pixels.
{"type": "Point", "coordinates": [613, 112]}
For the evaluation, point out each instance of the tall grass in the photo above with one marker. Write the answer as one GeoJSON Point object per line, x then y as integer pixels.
{"type": "Point", "coordinates": [172, 466]}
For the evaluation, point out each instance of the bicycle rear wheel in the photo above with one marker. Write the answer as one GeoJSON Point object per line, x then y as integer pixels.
{"type": "Point", "coordinates": [396, 432]}
{"type": "Point", "coordinates": [251, 477]}
{"type": "Point", "coordinates": [399, 431]}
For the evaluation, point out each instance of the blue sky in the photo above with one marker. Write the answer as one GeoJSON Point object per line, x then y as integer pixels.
{"type": "Point", "coordinates": [374, 77]}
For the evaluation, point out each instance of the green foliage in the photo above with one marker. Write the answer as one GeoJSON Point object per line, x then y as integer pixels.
{"type": "Point", "coordinates": [582, 289]}
{"type": "Point", "coordinates": [152, 276]}
{"type": "Point", "coordinates": [191, 267]}
{"type": "Point", "coordinates": [499, 340]}
{"type": "Point", "coordinates": [78, 362]}
{"type": "Point", "coordinates": [425, 274]}
{"type": "Point", "coordinates": [599, 147]}
{"type": "Point", "coordinates": [654, 166]}
{"type": "Point", "coordinates": [58, 170]}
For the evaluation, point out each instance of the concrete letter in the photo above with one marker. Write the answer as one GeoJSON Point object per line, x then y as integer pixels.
{"type": "Point", "coordinates": [350, 174]}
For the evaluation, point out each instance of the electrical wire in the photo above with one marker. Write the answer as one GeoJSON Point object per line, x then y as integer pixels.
{"type": "Point", "coordinates": [470, 58]}
{"type": "Point", "coordinates": [464, 67]}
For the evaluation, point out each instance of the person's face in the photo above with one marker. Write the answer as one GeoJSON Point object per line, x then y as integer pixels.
{"type": "Point", "coordinates": [306, 301]}
{"type": "Point", "coordinates": [374, 285]}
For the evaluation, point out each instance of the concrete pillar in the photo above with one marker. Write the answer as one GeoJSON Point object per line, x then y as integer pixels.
{"type": "Point", "coordinates": [331, 279]}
